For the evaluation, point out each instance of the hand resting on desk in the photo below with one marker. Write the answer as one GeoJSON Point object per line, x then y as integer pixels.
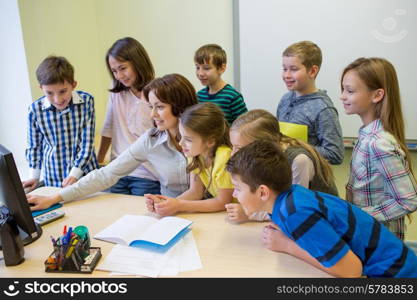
{"type": "Point", "coordinates": [162, 205]}
{"type": "Point", "coordinates": [42, 202]}
{"type": "Point", "coordinates": [30, 185]}
{"type": "Point", "coordinates": [235, 213]}
{"type": "Point", "coordinates": [274, 239]}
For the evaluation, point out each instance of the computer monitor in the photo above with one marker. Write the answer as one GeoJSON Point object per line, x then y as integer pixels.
{"type": "Point", "coordinates": [13, 196]}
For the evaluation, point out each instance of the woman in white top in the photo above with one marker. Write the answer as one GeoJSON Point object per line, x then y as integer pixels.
{"type": "Point", "coordinates": [168, 97]}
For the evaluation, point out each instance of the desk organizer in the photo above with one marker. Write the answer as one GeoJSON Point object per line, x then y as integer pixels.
{"type": "Point", "coordinates": [73, 264]}
{"type": "Point", "coordinates": [72, 253]}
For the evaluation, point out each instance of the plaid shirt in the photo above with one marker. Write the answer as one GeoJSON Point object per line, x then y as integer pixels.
{"type": "Point", "coordinates": [61, 143]}
{"type": "Point", "coordinates": [380, 180]}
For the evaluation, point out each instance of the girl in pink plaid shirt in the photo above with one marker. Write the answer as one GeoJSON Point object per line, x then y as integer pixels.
{"type": "Point", "coordinates": [381, 179]}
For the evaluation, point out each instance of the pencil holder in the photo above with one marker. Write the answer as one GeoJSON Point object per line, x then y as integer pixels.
{"type": "Point", "coordinates": [72, 253]}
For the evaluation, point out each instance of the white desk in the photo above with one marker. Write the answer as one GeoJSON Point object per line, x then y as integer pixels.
{"type": "Point", "coordinates": [226, 249]}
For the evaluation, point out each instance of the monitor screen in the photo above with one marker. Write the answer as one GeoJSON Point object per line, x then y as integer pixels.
{"type": "Point", "coordinates": [13, 196]}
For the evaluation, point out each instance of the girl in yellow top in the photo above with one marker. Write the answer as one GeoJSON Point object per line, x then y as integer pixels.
{"type": "Point", "coordinates": [205, 141]}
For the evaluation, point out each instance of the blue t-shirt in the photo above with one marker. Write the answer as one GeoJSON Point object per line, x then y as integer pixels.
{"type": "Point", "coordinates": [327, 227]}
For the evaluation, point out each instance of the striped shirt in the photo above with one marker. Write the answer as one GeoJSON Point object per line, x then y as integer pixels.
{"type": "Point", "coordinates": [380, 180]}
{"type": "Point", "coordinates": [228, 99]}
{"type": "Point", "coordinates": [327, 227]}
{"type": "Point", "coordinates": [61, 143]}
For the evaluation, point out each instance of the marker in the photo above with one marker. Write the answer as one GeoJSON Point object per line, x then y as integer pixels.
{"type": "Point", "coordinates": [61, 260]}
{"type": "Point", "coordinates": [69, 234]}
{"type": "Point", "coordinates": [69, 252]}
{"type": "Point", "coordinates": [53, 241]}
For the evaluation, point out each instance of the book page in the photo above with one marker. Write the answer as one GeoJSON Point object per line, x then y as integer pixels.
{"type": "Point", "coordinates": [126, 229]}
{"type": "Point", "coordinates": [190, 257]}
{"type": "Point", "coordinates": [133, 260]}
{"type": "Point", "coordinates": [164, 230]}
{"type": "Point", "coordinates": [183, 256]}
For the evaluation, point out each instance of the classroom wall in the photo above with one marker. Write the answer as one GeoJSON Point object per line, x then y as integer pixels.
{"type": "Point", "coordinates": [70, 29]}
{"type": "Point", "coordinates": [382, 28]}
{"type": "Point", "coordinates": [14, 84]}
{"type": "Point", "coordinates": [83, 30]}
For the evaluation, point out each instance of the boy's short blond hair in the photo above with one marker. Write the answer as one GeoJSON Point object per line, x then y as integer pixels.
{"type": "Point", "coordinates": [308, 52]}
{"type": "Point", "coordinates": [211, 53]}
{"type": "Point", "coordinates": [55, 69]}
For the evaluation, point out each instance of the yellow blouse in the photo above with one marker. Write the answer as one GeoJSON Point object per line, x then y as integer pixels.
{"type": "Point", "coordinates": [221, 178]}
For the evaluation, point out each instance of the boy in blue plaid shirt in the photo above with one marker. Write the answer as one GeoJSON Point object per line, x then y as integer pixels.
{"type": "Point", "coordinates": [60, 129]}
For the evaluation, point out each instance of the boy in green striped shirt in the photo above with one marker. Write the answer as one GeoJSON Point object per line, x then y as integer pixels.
{"type": "Point", "coordinates": [210, 62]}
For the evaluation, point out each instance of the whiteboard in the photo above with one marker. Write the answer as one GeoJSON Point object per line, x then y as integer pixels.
{"type": "Point", "coordinates": [343, 29]}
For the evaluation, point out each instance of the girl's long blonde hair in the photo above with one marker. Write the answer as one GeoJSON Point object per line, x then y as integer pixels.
{"type": "Point", "coordinates": [379, 73]}
{"type": "Point", "coordinates": [259, 124]}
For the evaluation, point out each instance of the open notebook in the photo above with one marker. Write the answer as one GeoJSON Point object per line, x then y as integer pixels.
{"type": "Point", "coordinates": [145, 231]}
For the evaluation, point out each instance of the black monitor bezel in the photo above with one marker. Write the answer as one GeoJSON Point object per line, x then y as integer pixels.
{"type": "Point", "coordinates": [17, 203]}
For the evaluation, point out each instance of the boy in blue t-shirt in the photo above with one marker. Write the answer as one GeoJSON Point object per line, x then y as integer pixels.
{"type": "Point", "coordinates": [321, 229]}
{"type": "Point", "coordinates": [210, 61]}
